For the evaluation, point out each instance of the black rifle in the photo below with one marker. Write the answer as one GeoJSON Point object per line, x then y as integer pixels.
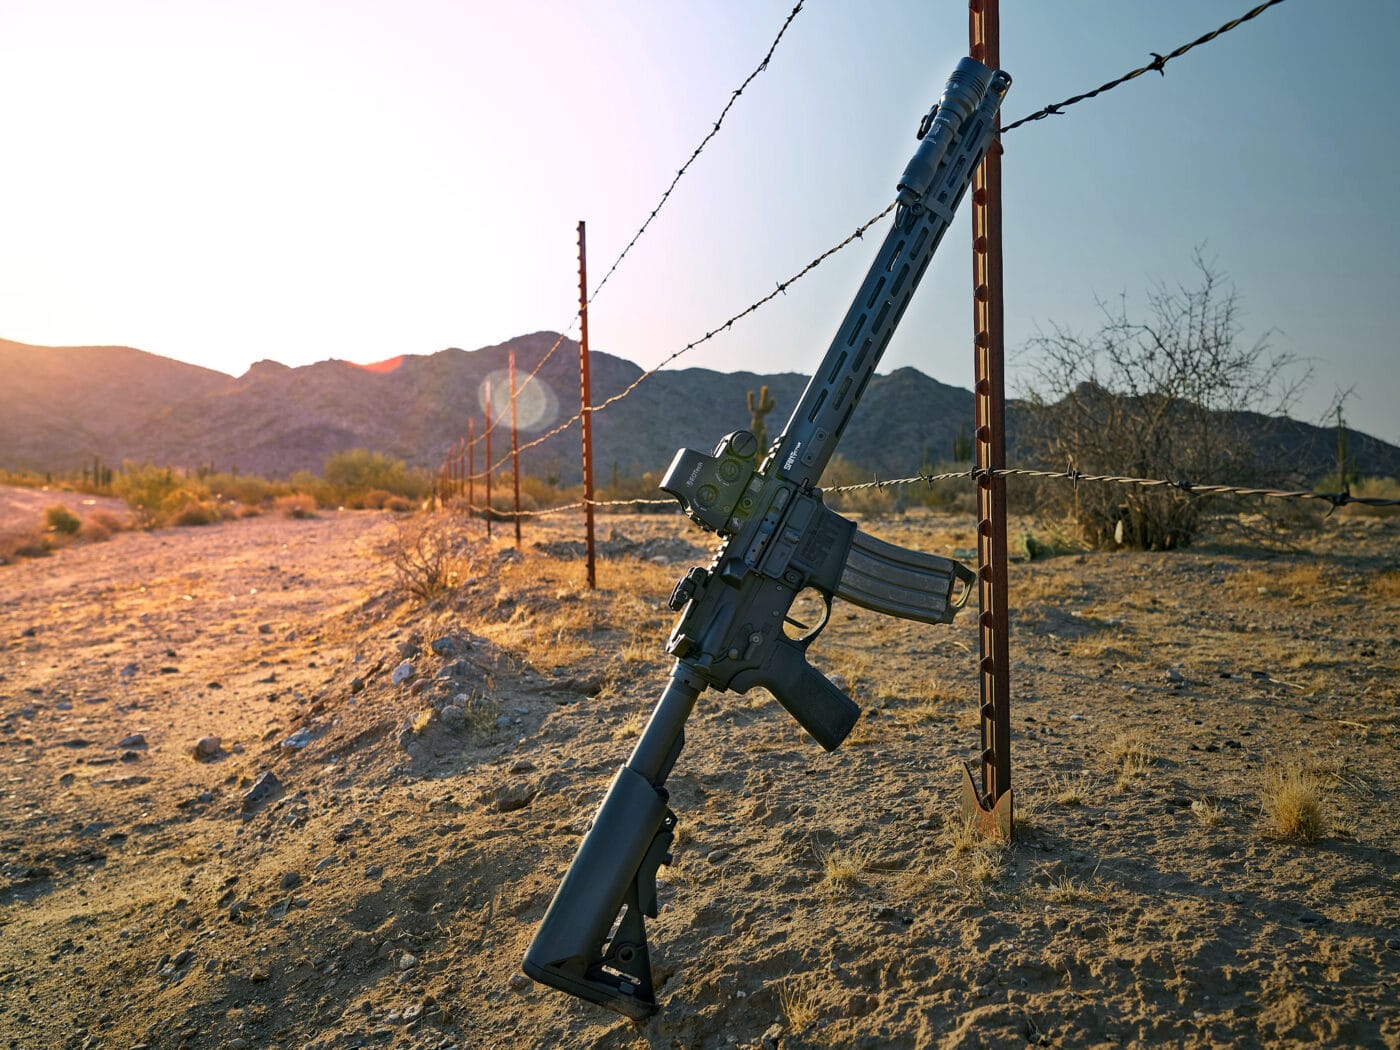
{"type": "Point", "coordinates": [778, 540]}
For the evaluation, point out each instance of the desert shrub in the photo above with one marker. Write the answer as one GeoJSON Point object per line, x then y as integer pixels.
{"type": "Point", "coordinates": [1163, 395]}
{"type": "Point", "coordinates": [322, 493]}
{"type": "Point", "coordinates": [432, 555]}
{"type": "Point", "coordinates": [195, 512]}
{"type": "Point", "coordinates": [1372, 488]}
{"type": "Point", "coordinates": [249, 510]}
{"type": "Point", "coordinates": [242, 488]}
{"type": "Point", "coordinates": [374, 499]}
{"type": "Point", "coordinates": [23, 543]}
{"type": "Point", "coordinates": [59, 518]}
{"type": "Point", "coordinates": [399, 504]}
{"type": "Point", "coordinates": [355, 474]}
{"type": "Point", "coordinates": [146, 489]}
{"type": "Point", "coordinates": [296, 505]}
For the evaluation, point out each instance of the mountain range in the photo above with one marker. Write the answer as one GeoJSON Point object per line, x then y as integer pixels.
{"type": "Point", "coordinates": [61, 406]}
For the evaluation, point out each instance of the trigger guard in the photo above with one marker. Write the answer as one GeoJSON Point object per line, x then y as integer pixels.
{"type": "Point", "coordinates": [810, 636]}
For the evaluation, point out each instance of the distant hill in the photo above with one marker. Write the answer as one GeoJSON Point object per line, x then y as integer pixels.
{"type": "Point", "coordinates": [60, 406]}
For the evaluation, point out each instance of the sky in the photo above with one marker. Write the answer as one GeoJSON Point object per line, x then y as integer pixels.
{"type": "Point", "coordinates": [224, 182]}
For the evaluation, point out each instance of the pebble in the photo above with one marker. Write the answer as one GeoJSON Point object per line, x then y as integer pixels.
{"type": "Point", "coordinates": [134, 740]}
{"type": "Point", "coordinates": [515, 795]}
{"type": "Point", "coordinates": [408, 650]}
{"type": "Point", "coordinates": [453, 717]}
{"type": "Point", "coordinates": [408, 961]}
{"type": "Point", "coordinates": [403, 673]}
{"type": "Point", "coordinates": [518, 982]}
{"type": "Point", "coordinates": [357, 685]}
{"type": "Point", "coordinates": [266, 785]}
{"type": "Point", "coordinates": [297, 740]}
{"type": "Point", "coordinates": [207, 747]}
{"type": "Point", "coordinates": [290, 880]}
{"type": "Point", "coordinates": [524, 765]}
{"type": "Point", "coordinates": [718, 856]}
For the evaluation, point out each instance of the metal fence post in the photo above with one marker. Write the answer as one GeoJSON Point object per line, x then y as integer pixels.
{"type": "Point", "coordinates": [987, 794]}
{"type": "Point", "coordinates": [586, 410]}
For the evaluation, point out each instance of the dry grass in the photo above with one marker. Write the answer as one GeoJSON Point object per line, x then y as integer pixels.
{"type": "Point", "coordinates": [1071, 791]}
{"type": "Point", "coordinates": [1067, 890]}
{"type": "Point", "coordinates": [1133, 754]}
{"type": "Point", "coordinates": [1386, 585]}
{"type": "Point", "coordinates": [1208, 812]}
{"type": "Point", "coordinates": [840, 867]}
{"type": "Point", "coordinates": [1295, 805]}
{"type": "Point", "coordinates": [799, 1005]}
{"type": "Point", "coordinates": [296, 505]}
{"type": "Point", "coordinates": [976, 853]}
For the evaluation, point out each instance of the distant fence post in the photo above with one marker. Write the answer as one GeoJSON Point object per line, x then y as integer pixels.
{"type": "Point", "coordinates": [515, 448]}
{"type": "Point", "coordinates": [471, 467]}
{"type": "Point", "coordinates": [987, 795]}
{"type": "Point", "coordinates": [488, 458]}
{"type": "Point", "coordinates": [585, 407]}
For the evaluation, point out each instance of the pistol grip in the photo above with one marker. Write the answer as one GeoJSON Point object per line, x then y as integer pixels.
{"type": "Point", "coordinates": [809, 696]}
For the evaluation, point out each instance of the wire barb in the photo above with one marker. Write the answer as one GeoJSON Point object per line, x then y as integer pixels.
{"type": "Point", "coordinates": [1158, 65]}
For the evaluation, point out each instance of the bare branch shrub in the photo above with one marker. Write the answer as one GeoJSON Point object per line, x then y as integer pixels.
{"type": "Point", "coordinates": [432, 555]}
{"type": "Point", "coordinates": [1166, 397]}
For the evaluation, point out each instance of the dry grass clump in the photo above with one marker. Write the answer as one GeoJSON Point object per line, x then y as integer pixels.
{"type": "Point", "coordinates": [1133, 754]}
{"type": "Point", "coordinates": [24, 543]}
{"type": "Point", "coordinates": [296, 505]}
{"type": "Point", "coordinates": [1071, 792]}
{"type": "Point", "coordinates": [1208, 812]}
{"type": "Point", "coordinates": [431, 556]}
{"type": "Point", "coordinates": [840, 867]}
{"type": "Point", "coordinates": [1295, 805]}
{"type": "Point", "coordinates": [975, 852]}
{"type": "Point", "coordinates": [799, 1005]}
{"type": "Point", "coordinates": [1067, 890]}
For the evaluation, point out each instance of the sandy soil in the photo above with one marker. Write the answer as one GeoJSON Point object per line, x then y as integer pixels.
{"type": "Point", "coordinates": [435, 766]}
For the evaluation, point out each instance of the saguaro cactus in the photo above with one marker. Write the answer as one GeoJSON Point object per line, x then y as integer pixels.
{"type": "Point", "coordinates": [758, 409]}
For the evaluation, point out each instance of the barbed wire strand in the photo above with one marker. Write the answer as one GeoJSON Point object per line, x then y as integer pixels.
{"type": "Point", "coordinates": [1190, 488]}
{"type": "Point", "coordinates": [734, 97]}
{"type": "Point", "coordinates": [1157, 65]}
{"type": "Point", "coordinates": [780, 289]}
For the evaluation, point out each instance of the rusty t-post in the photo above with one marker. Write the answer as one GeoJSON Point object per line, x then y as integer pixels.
{"type": "Point", "coordinates": [586, 407]}
{"type": "Point", "coordinates": [987, 782]}
{"type": "Point", "coordinates": [487, 432]}
{"type": "Point", "coordinates": [471, 468]}
{"type": "Point", "coordinates": [515, 448]}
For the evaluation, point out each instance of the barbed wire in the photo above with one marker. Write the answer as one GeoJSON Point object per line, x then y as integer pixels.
{"type": "Point", "coordinates": [703, 143]}
{"type": "Point", "coordinates": [734, 97]}
{"type": "Point", "coordinates": [780, 289]}
{"type": "Point", "coordinates": [1190, 488]}
{"type": "Point", "coordinates": [1157, 65]}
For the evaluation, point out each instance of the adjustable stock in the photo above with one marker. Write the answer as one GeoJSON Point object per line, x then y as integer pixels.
{"type": "Point", "coordinates": [612, 880]}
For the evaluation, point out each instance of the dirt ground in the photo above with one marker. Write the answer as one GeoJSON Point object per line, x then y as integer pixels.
{"type": "Point", "coordinates": [390, 790]}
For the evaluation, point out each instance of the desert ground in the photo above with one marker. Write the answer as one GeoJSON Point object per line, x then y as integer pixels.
{"type": "Point", "coordinates": [257, 794]}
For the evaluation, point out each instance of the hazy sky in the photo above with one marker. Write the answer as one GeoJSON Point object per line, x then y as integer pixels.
{"type": "Point", "coordinates": [222, 182]}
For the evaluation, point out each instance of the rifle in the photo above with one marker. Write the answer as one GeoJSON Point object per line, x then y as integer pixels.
{"type": "Point", "coordinates": [778, 540]}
